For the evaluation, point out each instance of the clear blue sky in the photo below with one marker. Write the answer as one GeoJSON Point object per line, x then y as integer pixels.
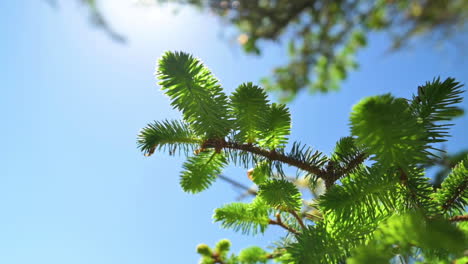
{"type": "Point", "coordinates": [73, 186]}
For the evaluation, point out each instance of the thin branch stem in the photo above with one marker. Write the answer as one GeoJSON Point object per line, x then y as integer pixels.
{"type": "Point", "coordinates": [298, 218]}
{"type": "Point", "coordinates": [459, 218]}
{"type": "Point", "coordinates": [217, 259]}
{"type": "Point", "coordinates": [328, 174]}
{"type": "Point", "coordinates": [271, 155]}
{"type": "Point", "coordinates": [238, 184]}
{"type": "Point", "coordinates": [280, 222]}
{"type": "Point", "coordinates": [458, 192]}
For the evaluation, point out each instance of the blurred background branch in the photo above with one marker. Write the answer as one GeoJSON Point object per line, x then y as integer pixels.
{"type": "Point", "coordinates": [322, 37]}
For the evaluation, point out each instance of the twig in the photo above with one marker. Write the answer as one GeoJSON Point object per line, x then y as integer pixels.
{"type": "Point", "coordinates": [458, 192]}
{"type": "Point", "coordinates": [271, 155]}
{"type": "Point", "coordinates": [279, 222]}
{"type": "Point", "coordinates": [459, 218]}
{"type": "Point", "coordinates": [328, 175]}
{"type": "Point", "coordinates": [216, 258]}
{"type": "Point", "coordinates": [238, 184]}
{"type": "Point", "coordinates": [298, 218]}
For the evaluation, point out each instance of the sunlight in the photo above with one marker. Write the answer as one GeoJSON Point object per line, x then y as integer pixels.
{"type": "Point", "coordinates": [136, 16]}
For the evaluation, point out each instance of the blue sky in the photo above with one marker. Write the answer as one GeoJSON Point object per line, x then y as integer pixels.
{"type": "Point", "coordinates": [73, 186]}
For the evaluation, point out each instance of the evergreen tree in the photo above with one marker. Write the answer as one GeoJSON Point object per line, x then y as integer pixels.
{"type": "Point", "coordinates": [375, 205]}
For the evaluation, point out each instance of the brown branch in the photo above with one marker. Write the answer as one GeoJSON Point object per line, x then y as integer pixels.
{"type": "Point", "coordinates": [217, 258]}
{"type": "Point", "coordinates": [298, 218]}
{"type": "Point", "coordinates": [329, 175]}
{"type": "Point", "coordinates": [279, 222]}
{"type": "Point", "coordinates": [459, 218]}
{"type": "Point", "coordinates": [219, 144]}
{"type": "Point", "coordinates": [353, 164]}
{"type": "Point", "coordinates": [335, 174]}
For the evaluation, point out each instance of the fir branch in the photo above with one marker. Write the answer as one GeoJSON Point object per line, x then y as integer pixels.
{"type": "Point", "coordinates": [459, 218]}
{"type": "Point", "coordinates": [453, 194]}
{"type": "Point", "coordinates": [246, 217]}
{"type": "Point", "coordinates": [281, 194]}
{"type": "Point", "coordinates": [272, 155]}
{"type": "Point", "coordinates": [298, 218]}
{"type": "Point", "coordinates": [280, 222]}
{"type": "Point", "coordinates": [194, 91]}
{"type": "Point", "coordinates": [167, 134]}
{"type": "Point", "coordinates": [352, 165]}
{"type": "Point", "coordinates": [334, 174]}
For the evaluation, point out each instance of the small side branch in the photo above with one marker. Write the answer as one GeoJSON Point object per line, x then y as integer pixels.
{"type": "Point", "coordinates": [298, 218]}
{"type": "Point", "coordinates": [219, 144]}
{"type": "Point", "coordinates": [456, 195]}
{"type": "Point", "coordinates": [459, 218]}
{"type": "Point", "coordinates": [353, 164]}
{"type": "Point", "coordinates": [280, 222]}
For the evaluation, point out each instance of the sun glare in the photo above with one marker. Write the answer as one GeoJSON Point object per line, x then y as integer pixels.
{"type": "Point", "coordinates": [136, 15]}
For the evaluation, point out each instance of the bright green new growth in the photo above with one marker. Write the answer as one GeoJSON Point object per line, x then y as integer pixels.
{"type": "Point", "coordinates": [249, 104]}
{"type": "Point", "coordinates": [388, 128]}
{"type": "Point", "coordinates": [201, 170]}
{"type": "Point", "coordinates": [195, 92]}
{"type": "Point", "coordinates": [251, 255]}
{"type": "Point", "coordinates": [249, 218]}
{"type": "Point", "coordinates": [357, 212]}
{"type": "Point", "coordinates": [168, 134]}
{"type": "Point", "coordinates": [281, 194]}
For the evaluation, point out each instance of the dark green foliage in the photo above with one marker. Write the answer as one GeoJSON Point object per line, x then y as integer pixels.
{"type": "Point", "coordinates": [250, 218]}
{"type": "Point", "coordinates": [357, 212]}
{"type": "Point", "coordinates": [281, 194]}
{"type": "Point", "coordinates": [195, 92]}
{"type": "Point", "coordinates": [201, 170]}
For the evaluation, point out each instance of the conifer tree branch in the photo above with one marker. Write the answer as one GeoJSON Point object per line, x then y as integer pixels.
{"type": "Point", "coordinates": [272, 155]}
{"type": "Point", "coordinates": [448, 204]}
{"type": "Point", "coordinates": [280, 222]}
{"type": "Point", "coordinates": [456, 195]}
{"type": "Point", "coordinates": [353, 164]}
{"type": "Point", "coordinates": [298, 218]}
{"type": "Point", "coordinates": [459, 218]}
